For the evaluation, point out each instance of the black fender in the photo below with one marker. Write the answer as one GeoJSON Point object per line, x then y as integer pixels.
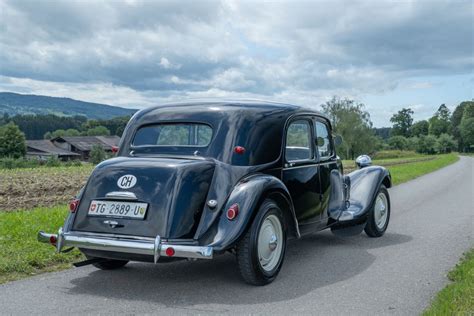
{"type": "Point", "coordinates": [249, 193]}
{"type": "Point", "coordinates": [363, 186]}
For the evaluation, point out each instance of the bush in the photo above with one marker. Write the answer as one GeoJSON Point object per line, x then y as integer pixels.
{"type": "Point", "coordinates": [398, 142]}
{"type": "Point", "coordinates": [391, 154]}
{"type": "Point", "coordinates": [97, 154]}
{"type": "Point", "coordinates": [446, 144]}
{"type": "Point", "coordinates": [412, 143]}
{"type": "Point", "coordinates": [427, 144]}
{"type": "Point", "coordinates": [12, 141]}
{"type": "Point", "coordinates": [53, 162]}
{"type": "Point", "coordinates": [11, 163]}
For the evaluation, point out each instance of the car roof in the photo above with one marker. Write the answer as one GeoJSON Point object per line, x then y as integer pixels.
{"type": "Point", "coordinates": [264, 108]}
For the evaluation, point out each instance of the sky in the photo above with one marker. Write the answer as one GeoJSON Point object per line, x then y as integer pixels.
{"type": "Point", "coordinates": [385, 54]}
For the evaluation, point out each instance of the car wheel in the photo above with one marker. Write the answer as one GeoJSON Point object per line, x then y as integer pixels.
{"type": "Point", "coordinates": [109, 264]}
{"type": "Point", "coordinates": [261, 251]}
{"type": "Point", "coordinates": [379, 215]}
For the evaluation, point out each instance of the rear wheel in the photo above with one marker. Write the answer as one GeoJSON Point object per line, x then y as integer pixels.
{"type": "Point", "coordinates": [261, 251]}
{"type": "Point", "coordinates": [379, 215]}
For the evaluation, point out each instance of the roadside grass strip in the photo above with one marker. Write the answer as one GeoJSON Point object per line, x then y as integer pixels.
{"type": "Point", "coordinates": [405, 172]}
{"type": "Point", "coordinates": [21, 254]}
{"type": "Point", "coordinates": [458, 297]}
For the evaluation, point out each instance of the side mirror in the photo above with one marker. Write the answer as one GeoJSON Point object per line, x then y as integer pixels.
{"type": "Point", "coordinates": [363, 161]}
{"type": "Point", "coordinates": [338, 140]}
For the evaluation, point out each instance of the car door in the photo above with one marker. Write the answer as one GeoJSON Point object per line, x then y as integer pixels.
{"type": "Point", "coordinates": [300, 173]}
{"type": "Point", "coordinates": [327, 161]}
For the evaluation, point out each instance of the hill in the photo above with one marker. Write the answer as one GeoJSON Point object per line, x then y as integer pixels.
{"type": "Point", "coordinates": [14, 104]}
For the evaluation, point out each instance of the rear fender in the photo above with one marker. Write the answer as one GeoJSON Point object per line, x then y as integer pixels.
{"type": "Point", "coordinates": [249, 194]}
{"type": "Point", "coordinates": [364, 185]}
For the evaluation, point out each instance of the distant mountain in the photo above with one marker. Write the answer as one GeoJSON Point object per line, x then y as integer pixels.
{"type": "Point", "coordinates": [14, 103]}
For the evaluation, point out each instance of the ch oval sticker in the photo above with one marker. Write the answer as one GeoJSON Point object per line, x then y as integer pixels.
{"type": "Point", "coordinates": [127, 181]}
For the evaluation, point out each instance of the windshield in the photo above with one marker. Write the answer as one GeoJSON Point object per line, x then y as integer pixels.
{"type": "Point", "coordinates": [173, 134]}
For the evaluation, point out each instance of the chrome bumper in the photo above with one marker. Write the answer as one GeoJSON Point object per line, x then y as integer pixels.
{"type": "Point", "coordinates": [155, 248]}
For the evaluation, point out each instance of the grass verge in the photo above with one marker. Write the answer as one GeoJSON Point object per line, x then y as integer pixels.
{"type": "Point", "coordinates": [458, 297]}
{"type": "Point", "coordinates": [21, 254]}
{"type": "Point", "coordinates": [408, 171]}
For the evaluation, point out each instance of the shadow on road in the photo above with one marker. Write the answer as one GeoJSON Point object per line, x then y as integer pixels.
{"type": "Point", "coordinates": [310, 263]}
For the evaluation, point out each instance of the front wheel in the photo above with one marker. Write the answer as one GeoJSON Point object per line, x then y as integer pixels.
{"type": "Point", "coordinates": [379, 215]}
{"type": "Point", "coordinates": [261, 251]}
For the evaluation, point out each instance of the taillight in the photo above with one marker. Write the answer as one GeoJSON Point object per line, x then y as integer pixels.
{"type": "Point", "coordinates": [73, 204]}
{"type": "Point", "coordinates": [115, 149]}
{"type": "Point", "coordinates": [53, 240]}
{"type": "Point", "coordinates": [239, 150]}
{"type": "Point", "coordinates": [169, 251]}
{"type": "Point", "coordinates": [232, 212]}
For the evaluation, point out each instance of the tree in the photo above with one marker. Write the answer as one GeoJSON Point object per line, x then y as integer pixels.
{"type": "Point", "coordinates": [456, 122]}
{"type": "Point", "coordinates": [12, 141]}
{"type": "Point", "coordinates": [398, 142]}
{"type": "Point", "coordinates": [402, 122]}
{"type": "Point", "coordinates": [446, 144]}
{"type": "Point", "coordinates": [352, 122]}
{"type": "Point", "coordinates": [440, 123]}
{"type": "Point", "coordinates": [97, 154]}
{"type": "Point", "coordinates": [466, 127]}
{"type": "Point", "coordinates": [420, 128]}
{"type": "Point", "coordinates": [98, 131]}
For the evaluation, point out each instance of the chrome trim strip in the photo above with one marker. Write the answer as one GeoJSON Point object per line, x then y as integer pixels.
{"type": "Point", "coordinates": [157, 249]}
{"type": "Point", "coordinates": [121, 195]}
{"type": "Point", "coordinates": [153, 247]}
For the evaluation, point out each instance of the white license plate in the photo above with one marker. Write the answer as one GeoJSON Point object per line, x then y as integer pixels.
{"type": "Point", "coordinates": [118, 209]}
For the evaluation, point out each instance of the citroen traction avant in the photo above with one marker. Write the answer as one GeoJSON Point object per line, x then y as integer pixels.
{"type": "Point", "coordinates": [195, 180]}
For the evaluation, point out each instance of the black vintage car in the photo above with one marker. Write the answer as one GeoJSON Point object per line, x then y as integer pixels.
{"type": "Point", "coordinates": [194, 180]}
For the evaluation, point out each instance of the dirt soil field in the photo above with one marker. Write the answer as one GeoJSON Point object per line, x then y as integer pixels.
{"type": "Point", "coordinates": [29, 188]}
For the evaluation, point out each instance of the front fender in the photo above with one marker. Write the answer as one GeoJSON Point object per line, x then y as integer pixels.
{"type": "Point", "coordinates": [365, 183]}
{"type": "Point", "coordinates": [249, 194]}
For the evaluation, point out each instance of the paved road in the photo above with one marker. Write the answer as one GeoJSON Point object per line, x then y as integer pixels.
{"type": "Point", "coordinates": [431, 226]}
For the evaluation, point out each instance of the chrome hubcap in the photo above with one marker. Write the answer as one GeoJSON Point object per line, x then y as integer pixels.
{"type": "Point", "coordinates": [269, 245]}
{"type": "Point", "coordinates": [381, 211]}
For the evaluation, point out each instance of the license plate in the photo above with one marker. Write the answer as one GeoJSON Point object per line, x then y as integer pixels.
{"type": "Point", "coordinates": [118, 209]}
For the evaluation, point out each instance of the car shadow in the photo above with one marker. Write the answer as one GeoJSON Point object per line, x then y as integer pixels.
{"type": "Point", "coordinates": [312, 262]}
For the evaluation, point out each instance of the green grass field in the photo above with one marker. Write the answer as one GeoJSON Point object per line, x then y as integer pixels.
{"type": "Point", "coordinates": [405, 172]}
{"type": "Point", "coordinates": [458, 297]}
{"type": "Point", "coordinates": [22, 255]}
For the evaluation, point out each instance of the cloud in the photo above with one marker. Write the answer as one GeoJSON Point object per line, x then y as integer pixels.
{"type": "Point", "coordinates": [293, 51]}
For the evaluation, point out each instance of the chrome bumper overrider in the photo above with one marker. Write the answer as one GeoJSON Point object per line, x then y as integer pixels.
{"type": "Point", "coordinates": [155, 248]}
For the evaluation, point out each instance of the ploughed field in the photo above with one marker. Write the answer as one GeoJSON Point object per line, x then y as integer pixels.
{"type": "Point", "coordinates": [42, 186]}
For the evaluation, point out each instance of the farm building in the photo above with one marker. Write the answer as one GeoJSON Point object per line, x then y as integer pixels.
{"type": "Point", "coordinates": [44, 149]}
{"type": "Point", "coordinates": [82, 145]}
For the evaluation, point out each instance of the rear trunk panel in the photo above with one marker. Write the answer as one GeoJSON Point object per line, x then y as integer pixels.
{"type": "Point", "coordinates": [175, 190]}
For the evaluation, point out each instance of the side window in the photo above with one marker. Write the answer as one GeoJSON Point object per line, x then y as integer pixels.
{"type": "Point", "coordinates": [323, 140]}
{"type": "Point", "coordinates": [298, 141]}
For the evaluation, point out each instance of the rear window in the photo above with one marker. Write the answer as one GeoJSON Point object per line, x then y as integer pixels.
{"type": "Point", "coordinates": [179, 134]}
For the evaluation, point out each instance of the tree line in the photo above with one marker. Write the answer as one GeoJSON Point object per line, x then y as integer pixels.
{"type": "Point", "coordinates": [47, 126]}
{"type": "Point", "coordinates": [442, 133]}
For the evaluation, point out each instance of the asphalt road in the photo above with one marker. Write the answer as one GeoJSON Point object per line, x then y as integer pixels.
{"type": "Point", "coordinates": [430, 228]}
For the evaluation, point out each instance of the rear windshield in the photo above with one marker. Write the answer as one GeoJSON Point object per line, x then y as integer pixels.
{"type": "Point", "coordinates": [173, 134]}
